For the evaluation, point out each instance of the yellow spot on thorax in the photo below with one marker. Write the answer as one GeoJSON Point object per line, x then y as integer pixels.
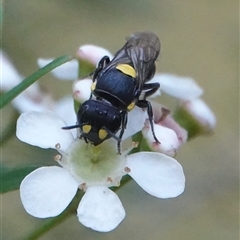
{"type": "Point", "coordinates": [127, 69]}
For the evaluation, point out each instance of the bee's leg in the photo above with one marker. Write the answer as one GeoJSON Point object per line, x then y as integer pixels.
{"type": "Point", "coordinates": [123, 127]}
{"type": "Point", "coordinates": [146, 104]}
{"type": "Point", "coordinates": [102, 63]}
{"type": "Point", "coordinates": [150, 88]}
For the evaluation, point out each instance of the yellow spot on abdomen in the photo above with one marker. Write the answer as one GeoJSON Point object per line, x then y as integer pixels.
{"type": "Point", "coordinates": [127, 69]}
{"type": "Point", "coordinates": [93, 86]}
{"type": "Point", "coordinates": [131, 106]}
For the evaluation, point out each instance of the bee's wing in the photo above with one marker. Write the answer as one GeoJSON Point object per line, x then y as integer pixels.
{"type": "Point", "coordinates": [141, 50]}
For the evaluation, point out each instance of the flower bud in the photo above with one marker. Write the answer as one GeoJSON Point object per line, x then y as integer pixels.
{"type": "Point", "coordinates": [179, 87]}
{"type": "Point", "coordinates": [162, 117]}
{"type": "Point", "coordinates": [167, 137]}
{"type": "Point", "coordinates": [82, 89]}
{"type": "Point", "coordinates": [200, 111]}
{"type": "Point", "coordinates": [92, 54]}
{"type": "Point", "coordinates": [9, 74]}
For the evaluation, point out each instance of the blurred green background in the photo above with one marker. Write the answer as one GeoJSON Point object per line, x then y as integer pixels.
{"type": "Point", "coordinates": [199, 39]}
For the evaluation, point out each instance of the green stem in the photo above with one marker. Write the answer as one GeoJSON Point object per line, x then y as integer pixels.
{"type": "Point", "coordinates": [10, 95]}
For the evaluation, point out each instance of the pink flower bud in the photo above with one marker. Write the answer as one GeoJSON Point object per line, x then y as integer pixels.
{"type": "Point", "coordinates": [168, 139]}
{"type": "Point", "coordinates": [162, 117]}
{"type": "Point", "coordinates": [82, 89]}
{"type": "Point", "coordinates": [92, 53]}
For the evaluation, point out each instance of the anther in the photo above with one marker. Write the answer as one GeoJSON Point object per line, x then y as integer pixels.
{"type": "Point", "coordinates": [58, 146]}
{"type": "Point", "coordinates": [83, 187]}
{"type": "Point", "coordinates": [58, 157]}
{"type": "Point", "coordinates": [127, 170]}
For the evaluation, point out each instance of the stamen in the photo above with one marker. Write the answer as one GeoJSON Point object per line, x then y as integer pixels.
{"type": "Point", "coordinates": [58, 146]}
{"type": "Point", "coordinates": [83, 187]}
{"type": "Point", "coordinates": [58, 157]}
{"type": "Point", "coordinates": [109, 179]}
{"type": "Point", "coordinates": [135, 144]}
{"type": "Point", "coordinates": [127, 170]}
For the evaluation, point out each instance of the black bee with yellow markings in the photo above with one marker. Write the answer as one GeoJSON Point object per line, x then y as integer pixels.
{"type": "Point", "coordinates": [118, 86]}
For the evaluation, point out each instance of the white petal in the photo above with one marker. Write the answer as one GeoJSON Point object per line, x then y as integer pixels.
{"type": "Point", "coordinates": [92, 53]}
{"type": "Point", "coordinates": [100, 209]}
{"type": "Point", "coordinates": [82, 89]}
{"type": "Point", "coordinates": [136, 120]}
{"type": "Point", "coordinates": [167, 137]}
{"type": "Point", "coordinates": [28, 101]}
{"type": "Point", "coordinates": [178, 87]}
{"type": "Point", "coordinates": [67, 71]}
{"type": "Point", "coordinates": [9, 75]}
{"type": "Point", "coordinates": [47, 191]}
{"type": "Point", "coordinates": [159, 175]}
{"type": "Point", "coordinates": [43, 129]}
{"type": "Point", "coordinates": [24, 104]}
{"type": "Point", "coordinates": [201, 112]}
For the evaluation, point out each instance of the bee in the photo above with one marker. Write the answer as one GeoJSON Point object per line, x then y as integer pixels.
{"type": "Point", "coordinates": [118, 86]}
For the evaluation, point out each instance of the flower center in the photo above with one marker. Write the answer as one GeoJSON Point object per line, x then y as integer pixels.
{"type": "Point", "coordinates": [95, 165]}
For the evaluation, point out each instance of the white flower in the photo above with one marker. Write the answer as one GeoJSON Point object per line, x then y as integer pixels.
{"type": "Point", "coordinates": [10, 77]}
{"type": "Point", "coordinates": [92, 53]}
{"type": "Point", "coordinates": [47, 191]}
{"type": "Point", "coordinates": [34, 98]}
{"type": "Point", "coordinates": [184, 88]}
{"type": "Point", "coordinates": [82, 89]}
{"type": "Point", "coordinates": [69, 70]}
{"type": "Point", "coordinates": [166, 136]}
{"type": "Point", "coordinates": [170, 134]}
{"type": "Point", "coordinates": [201, 112]}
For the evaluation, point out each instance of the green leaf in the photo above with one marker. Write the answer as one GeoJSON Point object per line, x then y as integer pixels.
{"type": "Point", "coordinates": [10, 95]}
{"type": "Point", "coordinates": [10, 130]}
{"type": "Point", "coordinates": [11, 178]}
